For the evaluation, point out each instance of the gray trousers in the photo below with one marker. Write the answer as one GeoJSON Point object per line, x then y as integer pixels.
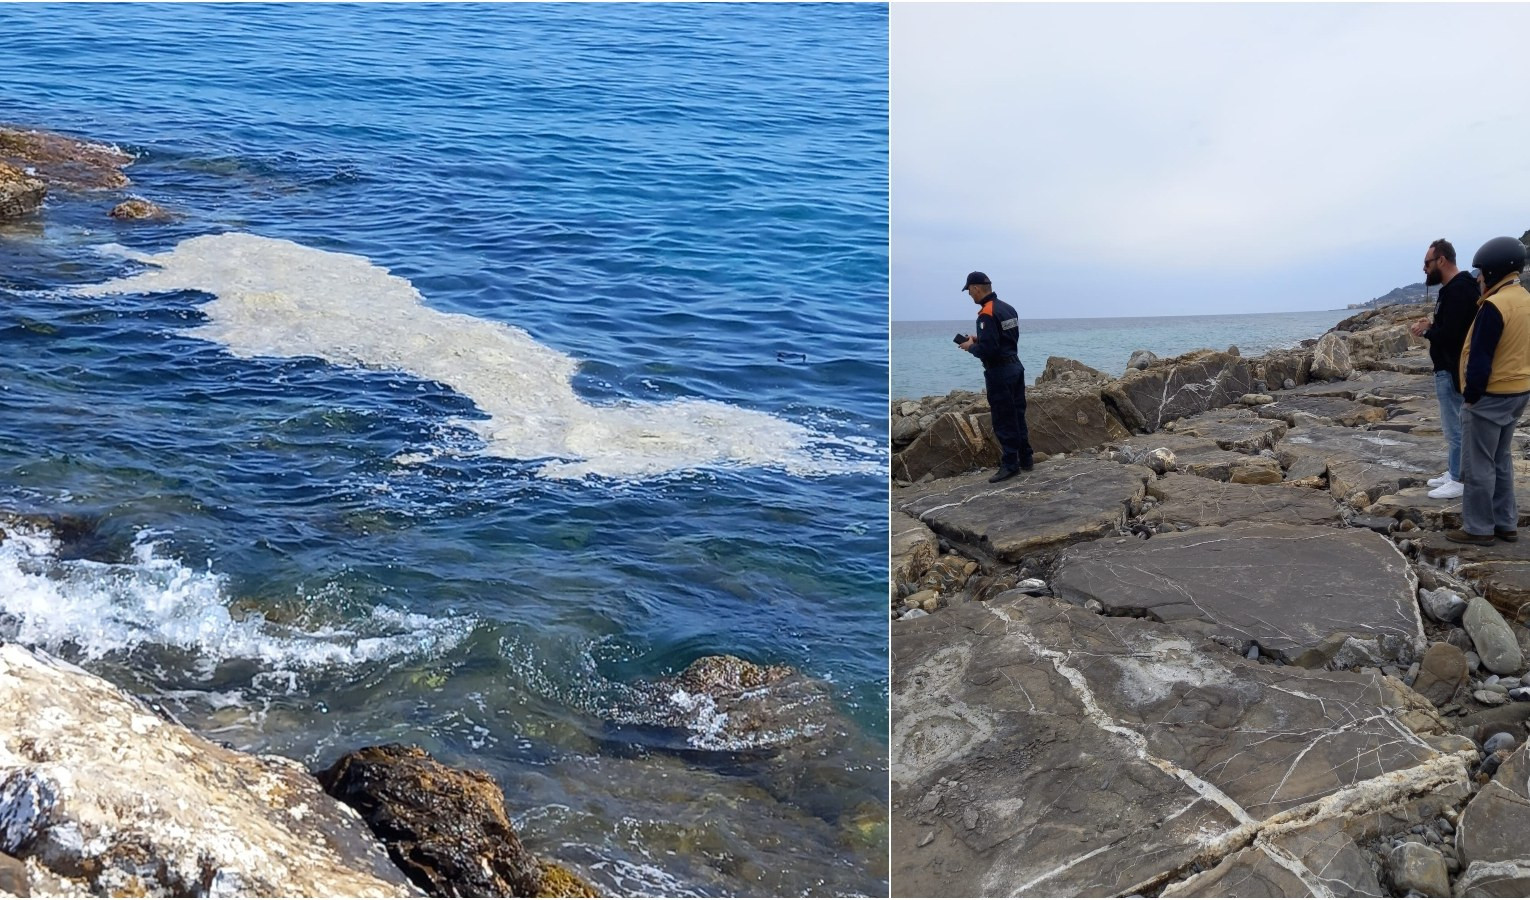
{"type": "Point", "coordinates": [1487, 464]}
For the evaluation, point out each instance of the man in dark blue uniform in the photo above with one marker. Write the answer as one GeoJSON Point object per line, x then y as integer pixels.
{"type": "Point", "coordinates": [996, 343]}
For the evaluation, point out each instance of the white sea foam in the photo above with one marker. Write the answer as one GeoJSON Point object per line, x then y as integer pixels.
{"type": "Point", "coordinates": [95, 609]}
{"type": "Point", "coordinates": [277, 298]}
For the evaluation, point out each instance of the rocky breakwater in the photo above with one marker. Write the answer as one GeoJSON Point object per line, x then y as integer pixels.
{"type": "Point", "coordinates": [1232, 655]}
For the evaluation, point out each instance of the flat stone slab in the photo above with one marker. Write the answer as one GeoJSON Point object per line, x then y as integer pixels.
{"type": "Point", "coordinates": [1296, 411]}
{"type": "Point", "coordinates": [1244, 432]}
{"type": "Point", "coordinates": [1390, 384]}
{"type": "Point", "coordinates": [1376, 462]}
{"type": "Point", "coordinates": [1040, 750]}
{"type": "Point", "coordinates": [1189, 500]}
{"type": "Point", "coordinates": [1194, 453]}
{"type": "Point", "coordinates": [1307, 595]}
{"type": "Point", "coordinates": [1056, 504]}
{"type": "Point", "coordinates": [1492, 831]}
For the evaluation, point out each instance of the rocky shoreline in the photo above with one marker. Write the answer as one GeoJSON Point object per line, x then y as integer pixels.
{"type": "Point", "coordinates": [1215, 644]}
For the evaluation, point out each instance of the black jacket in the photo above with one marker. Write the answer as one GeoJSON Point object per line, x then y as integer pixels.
{"type": "Point", "coordinates": [998, 333]}
{"type": "Point", "coordinates": [1453, 314]}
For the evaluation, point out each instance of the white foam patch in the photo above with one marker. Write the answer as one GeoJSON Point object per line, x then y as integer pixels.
{"type": "Point", "coordinates": [94, 609]}
{"type": "Point", "coordinates": [276, 298]}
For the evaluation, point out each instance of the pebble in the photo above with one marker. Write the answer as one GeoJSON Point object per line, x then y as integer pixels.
{"type": "Point", "coordinates": [1417, 829]}
{"type": "Point", "coordinates": [1490, 698]}
{"type": "Point", "coordinates": [1519, 693]}
{"type": "Point", "coordinates": [1500, 741]}
{"type": "Point", "coordinates": [1452, 865]}
{"type": "Point", "coordinates": [1491, 679]}
{"type": "Point", "coordinates": [969, 818]}
{"type": "Point", "coordinates": [929, 836]}
{"type": "Point", "coordinates": [1473, 661]}
{"type": "Point", "coordinates": [1253, 651]}
{"type": "Point", "coordinates": [1495, 688]}
{"type": "Point", "coordinates": [929, 802]}
{"type": "Point", "coordinates": [1445, 826]}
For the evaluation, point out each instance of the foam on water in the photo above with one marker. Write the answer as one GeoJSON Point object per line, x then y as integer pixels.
{"type": "Point", "coordinates": [277, 298]}
{"type": "Point", "coordinates": [95, 609]}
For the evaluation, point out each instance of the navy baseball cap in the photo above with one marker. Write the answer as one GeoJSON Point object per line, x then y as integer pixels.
{"type": "Point", "coordinates": [975, 278]}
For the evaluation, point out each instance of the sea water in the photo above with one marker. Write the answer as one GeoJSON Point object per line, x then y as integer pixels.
{"type": "Point", "coordinates": [925, 361]}
{"type": "Point", "coordinates": [494, 362]}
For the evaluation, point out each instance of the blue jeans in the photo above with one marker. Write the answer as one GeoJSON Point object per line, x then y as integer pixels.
{"type": "Point", "coordinates": [1450, 418]}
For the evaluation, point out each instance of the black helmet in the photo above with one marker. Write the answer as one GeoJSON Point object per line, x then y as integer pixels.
{"type": "Point", "coordinates": [1498, 258]}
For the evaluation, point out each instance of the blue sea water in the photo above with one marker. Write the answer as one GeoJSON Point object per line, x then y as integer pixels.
{"type": "Point", "coordinates": [480, 375]}
{"type": "Point", "coordinates": [926, 363]}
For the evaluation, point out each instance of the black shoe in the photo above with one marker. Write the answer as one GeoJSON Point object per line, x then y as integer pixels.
{"type": "Point", "coordinates": [1511, 535]}
{"type": "Point", "coordinates": [1004, 473]}
{"type": "Point", "coordinates": [1027, 465]}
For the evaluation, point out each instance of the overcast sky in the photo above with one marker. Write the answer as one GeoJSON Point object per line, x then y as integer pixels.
{"type": "Point", "coordinates": [1144, 159]}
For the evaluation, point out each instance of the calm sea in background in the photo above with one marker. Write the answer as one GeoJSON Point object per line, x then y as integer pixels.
{"type": "Point", "coordinates": [479, 378]}
{"type": "Point", "coordinates": [925, 362]}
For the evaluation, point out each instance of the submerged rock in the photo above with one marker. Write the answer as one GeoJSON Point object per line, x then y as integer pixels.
{"type": "Point", "coordinates": [20, 193]}
{"type": "Point", "coordinates": [138, 208]}
{"type": "Point", "coordinates": [105, 798]}
{"type": "Point", "coordinates": [446, 828]}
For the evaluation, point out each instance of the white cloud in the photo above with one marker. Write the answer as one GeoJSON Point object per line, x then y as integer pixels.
{"type": "Point", "coordinates": [1197, 136]}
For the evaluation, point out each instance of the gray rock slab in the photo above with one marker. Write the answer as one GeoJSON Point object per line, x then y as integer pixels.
{"type": "Point", "coordinates": [1243, 431]}
{"type": "Point", "coordinates": [1493, 826]}
{"type": "Point", "coordinates": [1184, 386]}
{"type": "Point", "coordinates": [1295, 411]}
{"type": "Point", "coordinates": [1066, 418]}
{"type": "Point", "coordinates": [954, 443]}
{"type": "Point", "coordinates": [1190, 500]}
{"type": "Point", "coordinates": [1376, 462]}
{"type": "Point", "coordinates": [1498, 879]}
{"type": "Point", "coordinates": [914, 549]}
{"type": "Point", "coordinates": [1040, 750]}
{"type": "Point", "coordinates": [1415, 362]}
{"type": "Point", "coordinates": [1494, 641]}
{"type": "Point", "coordinates": [1308, 595]}
{"type": "Point", "coordinates": [1055, 504]}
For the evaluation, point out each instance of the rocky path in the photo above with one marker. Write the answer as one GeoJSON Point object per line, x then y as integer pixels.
{"type": "Point", "coordinates": [1214, 646]}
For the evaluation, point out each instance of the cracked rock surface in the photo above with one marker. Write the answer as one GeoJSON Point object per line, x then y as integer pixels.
{"type": "Point", "coordinates": [1055, 504]}
{"type": "Point", "coordinates": [1041, 750]}
{"type": "Point", "coordinates": [1305, 594]}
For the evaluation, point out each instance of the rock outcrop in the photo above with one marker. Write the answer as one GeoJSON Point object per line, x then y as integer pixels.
{"type": "Point", "coordinates": [99, 795]}
{"type": "Point", "coordinates": [446, 828]}
{"type": "Point", "coordinates": [20, 193]}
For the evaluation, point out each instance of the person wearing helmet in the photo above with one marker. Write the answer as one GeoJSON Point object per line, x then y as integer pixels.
{"type": "Point", "coordinates": [997, 345]}
{"type": "Point", "coordinates": [1453, 314]}
{"type": "Point", "coordinates": [1495, 385]}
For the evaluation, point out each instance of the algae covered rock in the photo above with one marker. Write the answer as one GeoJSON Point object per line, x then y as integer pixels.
{"type": "Point", "coordinates": [446, 828]}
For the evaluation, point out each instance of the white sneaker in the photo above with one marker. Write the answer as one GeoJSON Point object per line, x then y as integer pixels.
{"type": "Point", "coordinates": [1442, 478]}
{"type": "Point", "coordinates": [1450, 490]}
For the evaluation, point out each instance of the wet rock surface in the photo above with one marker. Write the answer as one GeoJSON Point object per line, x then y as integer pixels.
{"type": "Point", "coordinates": [446, 828]}
{"type": "Point", "coordinates": [105, 797]}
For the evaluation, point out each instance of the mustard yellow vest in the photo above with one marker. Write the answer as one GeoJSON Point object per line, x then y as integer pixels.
{"type": "Point", "coordinates": [1511, 361]}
